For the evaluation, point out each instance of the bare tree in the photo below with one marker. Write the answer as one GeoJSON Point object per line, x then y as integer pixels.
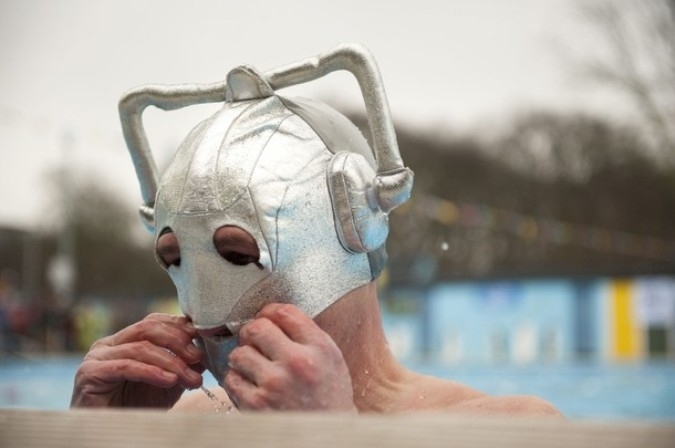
{"type": "Point", "coordinates": [557, 147]}
{"type": "Point", "coordinates": [640, 35]}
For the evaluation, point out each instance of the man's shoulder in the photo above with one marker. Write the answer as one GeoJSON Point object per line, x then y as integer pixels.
{"type": "Point", "coordinates": [446, 395]}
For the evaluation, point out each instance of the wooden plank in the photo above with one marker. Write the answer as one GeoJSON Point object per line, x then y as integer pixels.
{"type": "Point", "coordinates": [129, 429]}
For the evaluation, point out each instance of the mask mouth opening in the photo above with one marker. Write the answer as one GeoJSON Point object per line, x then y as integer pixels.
{"type": "Point", "coordinates": [216, 333]}
{"type": "Point", "coordinates": [223, 333]}
{"type": "Point", "coordinates": [217, 349]}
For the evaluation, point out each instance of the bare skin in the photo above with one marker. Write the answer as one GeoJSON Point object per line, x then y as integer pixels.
{"type": "Point", "coordinates": [340, 361]}
{"type": "Point", "coordinates": [148, 364]}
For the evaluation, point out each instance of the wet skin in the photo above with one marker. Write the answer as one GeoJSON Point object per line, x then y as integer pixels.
{"type": "Point", "coordinates": [148, 364]}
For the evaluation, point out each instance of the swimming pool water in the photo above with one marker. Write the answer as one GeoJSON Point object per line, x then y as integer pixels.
{"type": "Point", "coordinates": [598, 391]}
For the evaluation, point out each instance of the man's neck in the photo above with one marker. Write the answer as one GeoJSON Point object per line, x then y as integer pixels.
{"type": "Point", "coordinates": [355, 324]}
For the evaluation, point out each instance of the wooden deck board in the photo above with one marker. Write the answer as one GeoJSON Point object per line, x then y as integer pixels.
{"type": "Point", "coordinates": [130, 429]}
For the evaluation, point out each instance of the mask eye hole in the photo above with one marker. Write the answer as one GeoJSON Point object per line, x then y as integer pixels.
{"type": "Point", "coordinates": [237, 246]}
{"type": "Point", "coordinates": [167, 249]}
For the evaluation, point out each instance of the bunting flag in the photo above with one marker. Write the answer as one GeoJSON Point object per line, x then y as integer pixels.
{"type": "Point", "coordinates": [534, 229]}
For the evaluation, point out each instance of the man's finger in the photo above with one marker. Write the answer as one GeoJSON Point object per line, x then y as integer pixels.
{"type": "Point", "coordinates": [242, 392]}
{"type": "Point", "coordinates": [266, 337]}
{"type": "Point", "coordinates": [298, 326]}
{"type": "Point", "coordinates": [146, 353]}
{"type": "Point", "coordinates": [118, 370]}
{"type": "Point", "coordinates": [249, 363]}
{"type": "Point", "coordinates": [177, 340]}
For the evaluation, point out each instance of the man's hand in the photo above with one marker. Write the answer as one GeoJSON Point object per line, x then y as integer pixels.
{"type": "Point", "coordinates": [286, 362]}
{"type": "Point", "coordinates": [147, 364]}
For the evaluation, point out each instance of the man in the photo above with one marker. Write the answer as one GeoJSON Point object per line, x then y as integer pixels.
{"type": "Point", "coordinates": [271, 221]}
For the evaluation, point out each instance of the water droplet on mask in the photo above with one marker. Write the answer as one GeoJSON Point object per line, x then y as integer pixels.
{"type": "Point", "coordinates": [444, 246]}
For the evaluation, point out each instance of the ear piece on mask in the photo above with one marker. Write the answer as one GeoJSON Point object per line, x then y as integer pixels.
{"type": "Point", "coordinates": [361, 199]}
{"type": "Point", "coordinates": [360, 223]}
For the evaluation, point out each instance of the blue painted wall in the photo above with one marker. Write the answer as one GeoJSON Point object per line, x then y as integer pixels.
{"type": "Point", "coordinates": [520, 321]}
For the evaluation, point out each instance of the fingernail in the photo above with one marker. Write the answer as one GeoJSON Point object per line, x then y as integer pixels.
{"type": "Point", "coordinates": [192, 375]}
{"type": "Point", "coordinates": [193, 350]}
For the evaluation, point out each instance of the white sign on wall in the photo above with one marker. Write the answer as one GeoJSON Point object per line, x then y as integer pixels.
{"type": "Point", "coordinates": [655, 301]}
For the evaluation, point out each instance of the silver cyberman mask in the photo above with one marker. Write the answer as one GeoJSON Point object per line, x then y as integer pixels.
{"type": "Point", "coordinates": [294, 173]}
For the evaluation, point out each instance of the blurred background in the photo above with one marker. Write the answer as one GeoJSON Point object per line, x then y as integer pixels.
{"type": "Point", "coordinates": [536, 256]}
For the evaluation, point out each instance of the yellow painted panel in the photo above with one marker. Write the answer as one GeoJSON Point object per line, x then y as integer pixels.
{"type": "Point", "coordinates": [627, 337]}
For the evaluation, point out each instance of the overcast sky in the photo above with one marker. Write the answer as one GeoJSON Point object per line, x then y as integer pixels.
{"type": "Point", "coordinates": [449, 65]}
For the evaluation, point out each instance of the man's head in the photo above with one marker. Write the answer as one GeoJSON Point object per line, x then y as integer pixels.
{"type": "Point", "coordinates": [271, 199]}
{"type": "Point", "coordinates": [246, 202]}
